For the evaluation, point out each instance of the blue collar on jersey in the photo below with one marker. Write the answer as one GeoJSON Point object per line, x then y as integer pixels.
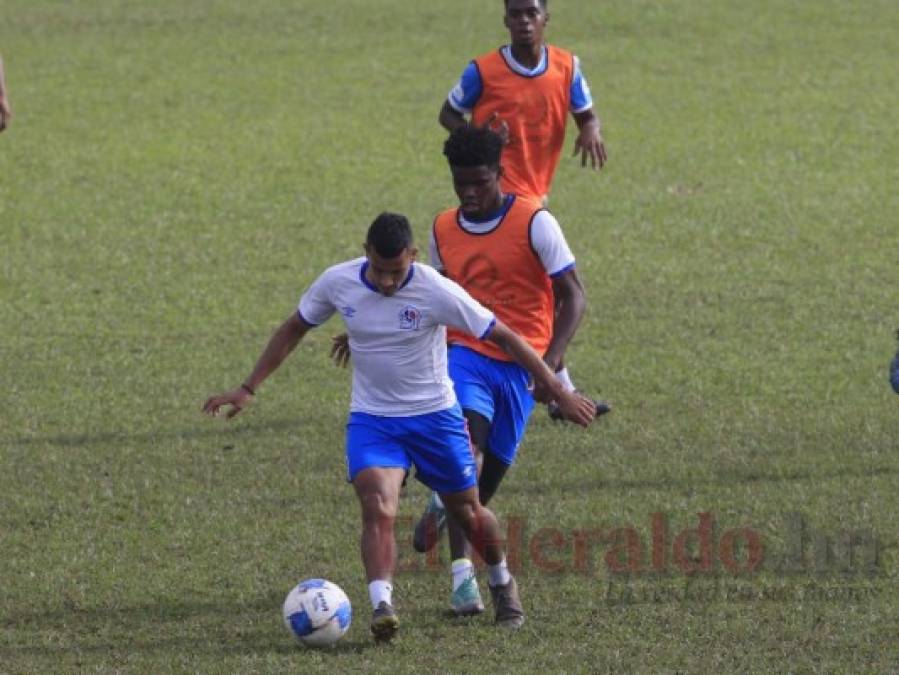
{"type": "Point", "coordinates": [371, 287]}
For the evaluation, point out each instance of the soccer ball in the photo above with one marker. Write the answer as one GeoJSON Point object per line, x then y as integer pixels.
{"type": "Point", "coordinates": [317, 612]}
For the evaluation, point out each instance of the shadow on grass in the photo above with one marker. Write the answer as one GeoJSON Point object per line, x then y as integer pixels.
{"type": "Point", "coordinates": [230, 628]}
{"type": "Point", "coordinates": [243, 629]}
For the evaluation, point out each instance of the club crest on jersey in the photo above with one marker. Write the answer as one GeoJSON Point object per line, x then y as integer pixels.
{"type": "Point", "coordinates": [348, 311]}
{"type": "Point", "coordinates": [410, 318]}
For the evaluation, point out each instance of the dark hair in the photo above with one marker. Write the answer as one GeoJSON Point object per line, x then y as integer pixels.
{"type": "Point", "coordinates": [543, 4]}
{"type": "Point", "coordinates": [473, 146]}
{"type": "Point", "coordinates": [389, 234]}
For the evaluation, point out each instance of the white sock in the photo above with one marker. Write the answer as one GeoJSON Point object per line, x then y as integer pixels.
{"type": "Point", "coordinates": [563, 377]}
{"type": "Point", "coordinates": [437, 501]}
{"type": "Point", "coordinates": [462, 569]}
{"type": "Point", "coordinates": [499, 573]}
{"type": "Point", "coordinates": [380, 591]}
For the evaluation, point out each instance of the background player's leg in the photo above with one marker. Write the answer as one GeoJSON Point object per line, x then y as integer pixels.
{"type": "Point", "coordinates": [493, 470]}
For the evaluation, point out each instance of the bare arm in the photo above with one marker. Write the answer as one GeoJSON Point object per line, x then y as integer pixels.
{"type": "Point", "coordinates": [571, 303]}
{"type": "Point", "coordinates": [450, 118]}
{"type": "Point", "coordinates": [574, 407]}
{"type": "Point", "coordinates": [589, 140]}
{"type": "Point", "coordinates": [280, 345]}
{"type": "Point", "coordinates": [5, 108]}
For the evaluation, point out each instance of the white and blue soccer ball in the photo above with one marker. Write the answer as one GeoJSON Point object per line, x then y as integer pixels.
{"type": "Point", "coordinates": [317, 612]}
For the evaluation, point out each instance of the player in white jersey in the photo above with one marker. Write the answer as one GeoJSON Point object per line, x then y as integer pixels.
{"type": "Point", "coordinates": [404, 410]}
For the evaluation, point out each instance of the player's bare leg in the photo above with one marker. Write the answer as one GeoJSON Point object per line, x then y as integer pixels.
{"type": "Point", "coordinates": [466, 598]}
{"type": "Point", "coordinates": [482, 530]}
{"type": "Point", "coordinates": [378, 490]}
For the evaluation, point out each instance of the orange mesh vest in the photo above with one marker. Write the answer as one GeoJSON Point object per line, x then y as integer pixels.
{"type": "Point", "coordinates": [536, 110]}
{"type": "Point", "coordinates": [501, 270]}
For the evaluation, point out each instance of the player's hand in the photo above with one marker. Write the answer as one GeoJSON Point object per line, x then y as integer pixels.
{"type": "Point", "coordinates": [237, 399]}
{"type": "Point", "coordinates": [577, 408]}
{"type": "Point", "coordinates": [340, 350]}
{"type": "Point", "coordinates": [497, 126]}
{"type": "Point", "coordinates": [590, 144]}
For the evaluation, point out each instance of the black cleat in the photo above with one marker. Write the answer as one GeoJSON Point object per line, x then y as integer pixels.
{"type": "Point", "coordinates": [384, 623]}
{"type": "Point", "coordinates": [507, 605]}
{"type": "Point", "coordinates": [555, 414]}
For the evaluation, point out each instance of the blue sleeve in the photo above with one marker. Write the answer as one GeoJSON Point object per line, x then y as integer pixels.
{"type": "Point", "coordinates": [467, 90]}
{"type": "Point", "coordinates": [581, 99]}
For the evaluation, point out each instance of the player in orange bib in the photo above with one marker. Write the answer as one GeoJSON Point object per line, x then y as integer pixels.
{"type": "Point", "coordinates": [509, 253]}
{"type": "Point", "coordinates": [525, 91]}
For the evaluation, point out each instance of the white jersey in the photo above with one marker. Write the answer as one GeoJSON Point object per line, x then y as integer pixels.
{"type": "Point", "coordinates": [398, 342]}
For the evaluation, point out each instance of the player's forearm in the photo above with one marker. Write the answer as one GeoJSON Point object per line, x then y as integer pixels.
{"type": "Point", "coordinates": [565, 325]}
{"type": "Point", "coordinates": [282, 342]}
{"type": "Point", "coordinates": [450, 118]}
{"type": "Point", "coordinates": [526, 357]}
{"type": "Point", "coordinates": [587, 118]}
{"type": "Point", "coordinates": [571, 305]}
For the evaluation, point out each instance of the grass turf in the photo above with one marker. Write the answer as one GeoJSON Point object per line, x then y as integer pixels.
{"type": "Point", "coordinates": [175, 175]}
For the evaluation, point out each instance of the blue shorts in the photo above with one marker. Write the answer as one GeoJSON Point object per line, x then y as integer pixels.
{"type": "Point", "coordinates": [436, 443]}
{"type": "Point", "coordinates": [498, 390]}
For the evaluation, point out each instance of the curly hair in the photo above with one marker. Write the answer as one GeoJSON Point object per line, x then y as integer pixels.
{"type": "Point", "coordinates": [543, 4]}
{"type": "Point", "coordinates": [473, 146]}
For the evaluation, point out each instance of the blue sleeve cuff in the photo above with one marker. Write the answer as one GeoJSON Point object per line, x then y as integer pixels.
{"type": "Point", "coordinates": [305, 320]}
{"type": "Point", "coordinates": [587, 107]}
{"type": "Point", "coordinates": [562, 271]}
{"type": "Point", "coordinates": [489, 329]}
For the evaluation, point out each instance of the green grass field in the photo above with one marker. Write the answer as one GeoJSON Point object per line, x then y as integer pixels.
{"type": "Point", "coordinates": [177, 172]}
